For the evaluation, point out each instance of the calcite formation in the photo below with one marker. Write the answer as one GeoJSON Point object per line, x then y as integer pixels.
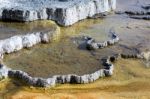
{"type": "Point", "coordinates": [18, 42]}
{"type": "Point", "coordinates": [64, 12]}
{"type": "Point", "coordinates": [91, 44]}
{"type": "Point", "coordinates": [57, 79]}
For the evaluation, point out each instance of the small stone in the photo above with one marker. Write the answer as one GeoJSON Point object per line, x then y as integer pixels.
{"type": "Point", "coordinates": [112, 58]}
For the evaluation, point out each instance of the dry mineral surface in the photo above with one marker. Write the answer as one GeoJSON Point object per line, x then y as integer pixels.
{"type": "Point", "coordinates": [64, 12]}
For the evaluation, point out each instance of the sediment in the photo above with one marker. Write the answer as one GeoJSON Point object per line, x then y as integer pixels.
{"type": "Point", "coordinates": [64, 12]}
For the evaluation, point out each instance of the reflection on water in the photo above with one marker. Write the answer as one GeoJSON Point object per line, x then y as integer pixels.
{"type": "Point", "coordinates": [8, 29]}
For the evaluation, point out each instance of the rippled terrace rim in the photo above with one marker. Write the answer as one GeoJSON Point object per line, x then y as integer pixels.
{"type": "Point", "coordinates": [18, 42]}
{"type": "Point", "coordinates": [31, 39]}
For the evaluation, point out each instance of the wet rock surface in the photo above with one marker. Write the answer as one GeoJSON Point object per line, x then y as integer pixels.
{"type": "Point", "coordinates": [64, 12]}
{"type": "Point", "coordinates": [137, 9]}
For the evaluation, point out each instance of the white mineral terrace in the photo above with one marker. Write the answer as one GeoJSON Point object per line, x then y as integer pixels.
{"type": "Point", "coordinates": [64, 12]}
{"type": "Point", "coordinates": [18, 42]}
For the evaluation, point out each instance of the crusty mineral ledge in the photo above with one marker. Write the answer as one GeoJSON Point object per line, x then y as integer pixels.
{"type": "Point", "coordinates": [64, 12]}
{"type": "Point", "coordinates": [18, 42]}
{"type": "Point", "coordinates": [57, 79]}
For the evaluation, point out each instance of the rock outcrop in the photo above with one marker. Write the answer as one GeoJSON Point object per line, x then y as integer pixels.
{"type": "Point", "coordinates": [64, 12]}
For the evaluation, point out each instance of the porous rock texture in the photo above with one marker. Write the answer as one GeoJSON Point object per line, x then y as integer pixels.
{"type": "Point", "coordinates": [64, 12]}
